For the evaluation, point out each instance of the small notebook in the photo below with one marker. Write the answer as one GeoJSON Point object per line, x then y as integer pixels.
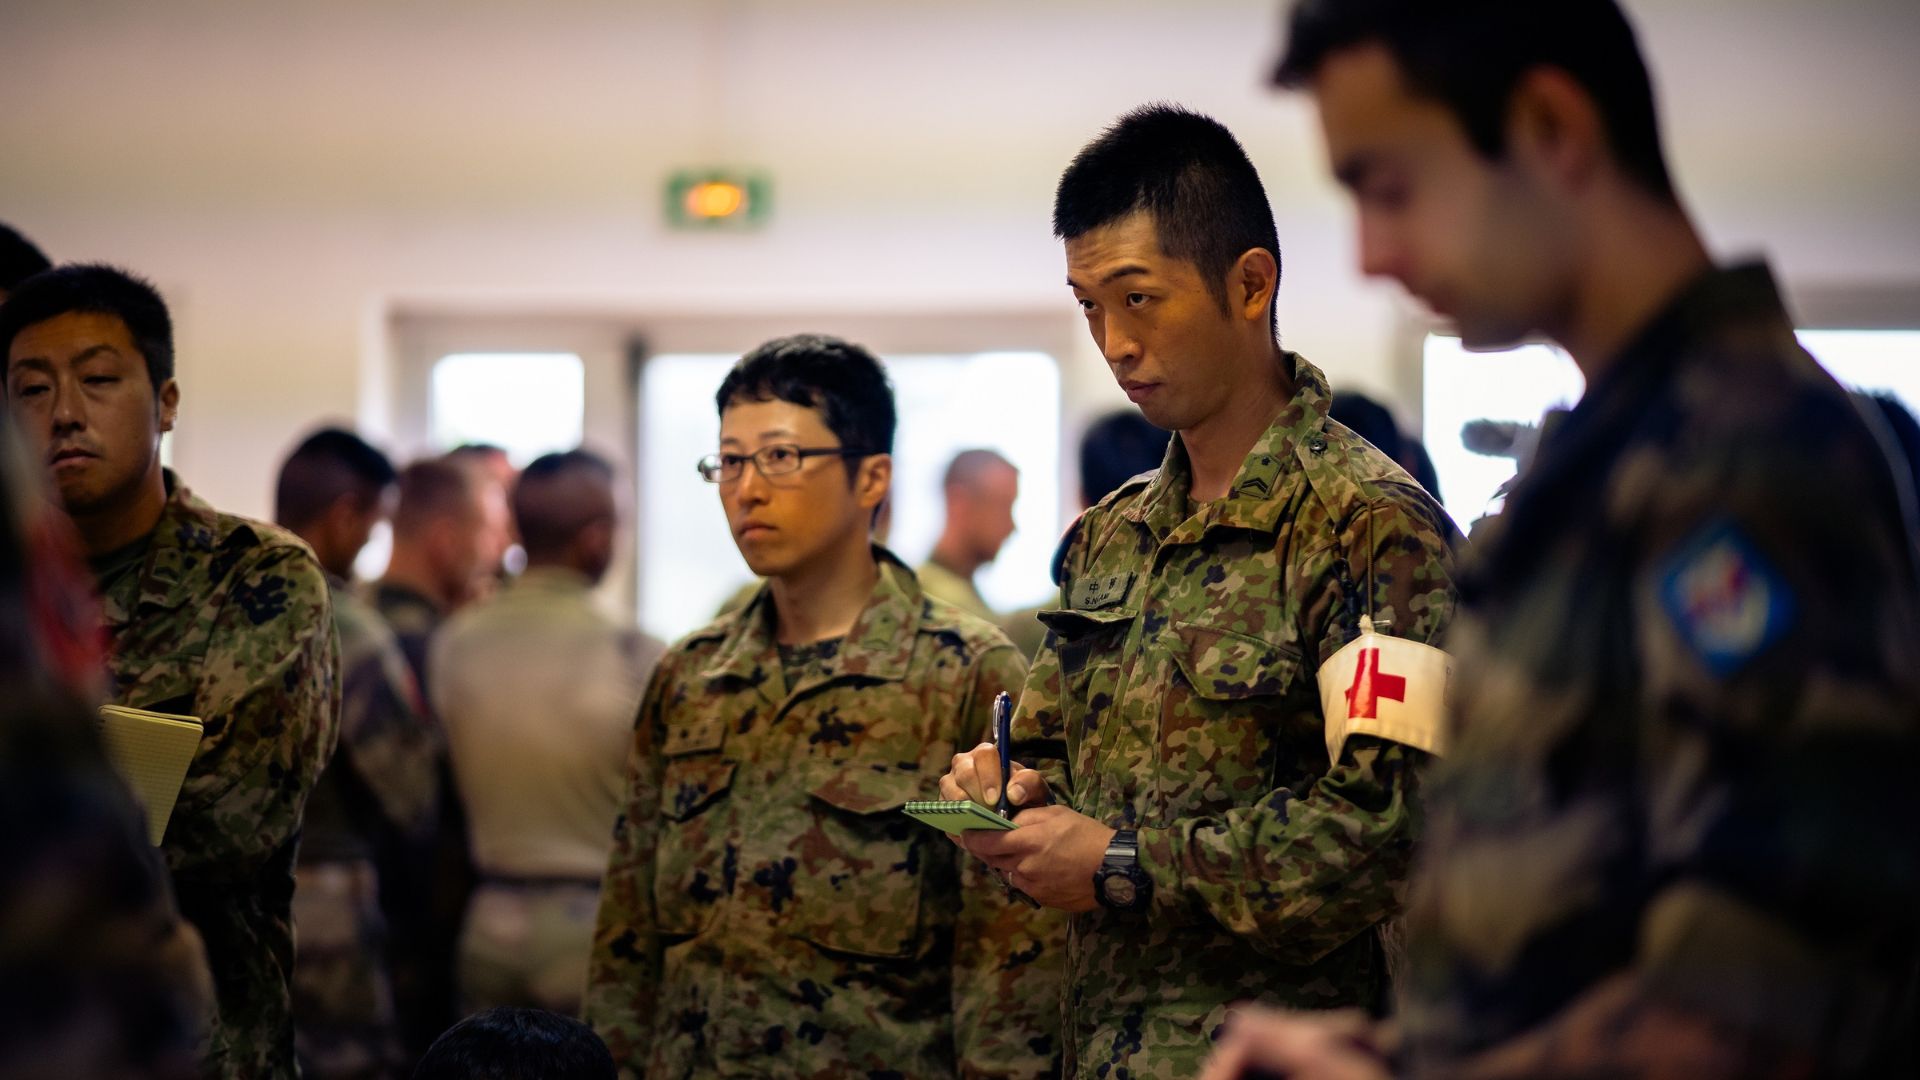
{"type": "Point", "coordinates": [151, 751]}
{"type": "Point", "coordinates": [954, 817]}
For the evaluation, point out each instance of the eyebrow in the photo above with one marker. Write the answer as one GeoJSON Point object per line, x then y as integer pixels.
{"type": "Point", "coordinates": [1354, 169]}
{"type": "Point", "coordinates": [31, 363]}
{"type": "Point", "coordinates": [1129, 270]}
{"type": "Point", "coordinates": [768, 434]}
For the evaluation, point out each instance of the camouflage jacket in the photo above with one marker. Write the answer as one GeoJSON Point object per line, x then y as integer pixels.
{"type": "Point", "coordinates": [383, 785]}
{"type": "Point", "coordinates": [768, 910]}
{"type": "Point", "coordinates": [412, 618]}
{"type": "Point", "coordinates": [1176, 695]}
{"type": "Point", "coordinates": [1677, 821]}
{"type": "Point", "coordinates": [228, 619]}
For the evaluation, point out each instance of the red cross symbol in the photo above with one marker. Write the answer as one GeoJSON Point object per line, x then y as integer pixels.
{"type": "Point", "coordinates": [1369, 686]}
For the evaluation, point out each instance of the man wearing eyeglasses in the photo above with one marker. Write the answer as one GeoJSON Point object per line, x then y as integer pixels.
{"type": "Point", "coordinates": [767, 908]}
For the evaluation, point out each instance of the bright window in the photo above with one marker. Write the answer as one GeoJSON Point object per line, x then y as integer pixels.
{"type": "Point", "coordinates": [1003, 401]}
{"type": "Point", "coordinates": [1522, 384]}
{"type": "Point", "coordinates": [526, 403]}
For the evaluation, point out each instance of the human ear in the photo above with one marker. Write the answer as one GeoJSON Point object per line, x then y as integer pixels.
{"type": "Point", "coordinates": [168, 401]}
{"type": "Point", "coordinates": [1251, 284]}
{"type": "Point", "coordinates": [874, 480]}
{"type": "Point", "coordinates": [1554, 128]}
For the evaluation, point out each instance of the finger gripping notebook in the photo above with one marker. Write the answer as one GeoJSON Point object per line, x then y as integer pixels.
{"type": "Point", "coordinates": [961, 816]}
{"type": "Point", "coordinates": [151, 751]}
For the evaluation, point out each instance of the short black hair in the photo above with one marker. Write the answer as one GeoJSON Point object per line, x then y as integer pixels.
{"type": "Point", "coordinates": [1117, 447]}
{"type": "Point", "coordinates": [95, 289]}
{"type": "Point", "coordinates": [327, 464]}
{"type": "Point", "coordinates": [544, 513]}
{"type": "Point", "coordinates": [842, 380]}
{"type": "Point", "coordinates": [1187, 172]}
{"type": "Point", "coordinates": [517, 1044]}
{"type": "Point", "coordinates": [1470, 54]}
{"type": "Point", "coordinates": [20, 259]}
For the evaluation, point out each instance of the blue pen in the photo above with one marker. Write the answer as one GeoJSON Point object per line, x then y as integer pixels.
{"type": "Point", "coordinates": [1003, 741]}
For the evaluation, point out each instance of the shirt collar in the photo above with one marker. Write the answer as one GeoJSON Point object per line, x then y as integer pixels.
{"type": "Point", "coordinates": [1254, 500]}
{"type": "Point", "coordinates": [878, 646]}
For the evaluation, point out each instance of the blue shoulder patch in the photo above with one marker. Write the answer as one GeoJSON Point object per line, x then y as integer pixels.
{"type": "Point", "coordinates": [1726, 601]}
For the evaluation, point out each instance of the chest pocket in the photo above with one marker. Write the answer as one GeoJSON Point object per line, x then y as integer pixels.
{"type": "Point", "coordinates": [1236, 722]}
{"type": "Point", "coordinates": [861, 867]}
{"type": "Point", "coordinates": [1089, 645]}
{"type": "Point", "coordinates": [690, 861]}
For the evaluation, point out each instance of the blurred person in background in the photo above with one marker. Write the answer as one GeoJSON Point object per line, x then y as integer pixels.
{"type": "Point", "coordinates": [208, 614]}
{"type": "Point", "coordinates": [444, 538]}
{"type": "Point", "coordinates": [504, 556]}
{"type": "Point", "coordinates": [1674, 835]}
{"type": "Point", "coordinates": [379, 798]}
{"type": "Point", "coordinates": [1114, 449]}
{"type": "Point", "coordinates": [20, 259]}
{"type": "Point", "coordinates": [767, 908]}
{"type": "Point", "coordinates": [980, 488]}
{"type": "Point", "coordinates": [536, 690]}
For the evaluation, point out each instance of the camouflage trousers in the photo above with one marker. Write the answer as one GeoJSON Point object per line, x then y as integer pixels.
{"type": "Point", "coordinates": [343, 1016]}
{"type": "Point", "coordinates": [526, 943]}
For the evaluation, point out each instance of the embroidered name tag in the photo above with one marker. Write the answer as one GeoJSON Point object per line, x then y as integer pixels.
{"type": "Point", "coordinates": [1093, 594]}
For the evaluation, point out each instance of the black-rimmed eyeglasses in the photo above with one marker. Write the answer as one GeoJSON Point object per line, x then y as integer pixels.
{"type": "Point", "coordinates": [776, 460]}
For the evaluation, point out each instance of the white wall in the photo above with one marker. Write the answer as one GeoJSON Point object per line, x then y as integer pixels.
{"type": "Point", "coordinates": [284, 169]}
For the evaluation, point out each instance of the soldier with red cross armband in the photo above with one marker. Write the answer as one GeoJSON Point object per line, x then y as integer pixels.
{"type": "Point", "coordinates": [1218, 747]}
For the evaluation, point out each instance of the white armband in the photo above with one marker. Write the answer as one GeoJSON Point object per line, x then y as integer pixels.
{"type": "Point", "coordinates": [1387, 687]}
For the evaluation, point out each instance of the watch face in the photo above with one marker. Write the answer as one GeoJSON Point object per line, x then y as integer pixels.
{"type": "Point", "coordinates": [1120, 891]}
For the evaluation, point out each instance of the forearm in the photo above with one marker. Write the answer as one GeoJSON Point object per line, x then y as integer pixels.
{"type": "Point", "coordinates": [1296, 877]}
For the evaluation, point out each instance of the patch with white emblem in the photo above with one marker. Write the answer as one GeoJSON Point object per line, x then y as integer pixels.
{"type": "Point", "coordinates": [1726, 601]}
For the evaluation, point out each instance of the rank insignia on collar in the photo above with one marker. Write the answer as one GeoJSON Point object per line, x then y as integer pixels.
{"type": "Point", "coordinates": [1725, 600]}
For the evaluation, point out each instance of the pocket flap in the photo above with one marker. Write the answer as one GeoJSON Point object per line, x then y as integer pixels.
{"type": "Point", "coordinates": [1224, 665]}
{"type": "Point", "coordinates": [691, 786]}
{"type": "Point", "coordinates": [865, 789]}
{"type": "Point", "coordinates": [1072, 624]}
{"type": "Point", "coordinates": [692, 738]}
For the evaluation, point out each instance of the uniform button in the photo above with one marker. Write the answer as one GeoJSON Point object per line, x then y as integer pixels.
{"type": "Point", "coordinates": [1317, 444]}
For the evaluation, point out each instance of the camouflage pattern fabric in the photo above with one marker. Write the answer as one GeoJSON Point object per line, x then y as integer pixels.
{"type": "Point", "coordinates": [427, 884]}
{"type": "Point", "coordinates": [1675, 834]}
{"type": "Point", "coordinates": [228, 619]}
{"type": "Point", "coordinates": [342, 994]}
{"type": "Point", "coordinates": [378, 796]}
{"type": "Point", "coordinates": [768, 910]}
{"type": "Point", "coordinates": [1175, 695]}
{"type": "Point", "coordinates": [525, 944]}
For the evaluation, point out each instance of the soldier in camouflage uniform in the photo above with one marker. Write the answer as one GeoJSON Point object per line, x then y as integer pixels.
{"type": "Point", "coordinates": [208, 614]}
{"type": "Point", "coordinates": [1173, 711]}
{"type": "Point", "coordinates": [767, 909]}
{"type": "Point", "coordinates": [1675, 836]}
{"type": "Point", "coordinates": [377, 799]}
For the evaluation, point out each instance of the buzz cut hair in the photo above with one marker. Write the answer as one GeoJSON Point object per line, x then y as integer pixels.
{"type": "Point", "coordinates": [1190, 175]}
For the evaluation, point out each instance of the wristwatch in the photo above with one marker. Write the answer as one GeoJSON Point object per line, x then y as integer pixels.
{"type": "Point", "coordinates": [1120, 884]}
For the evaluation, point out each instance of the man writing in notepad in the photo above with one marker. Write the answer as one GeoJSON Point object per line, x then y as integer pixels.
{"type": "Point", "coordinates": [207, 614]}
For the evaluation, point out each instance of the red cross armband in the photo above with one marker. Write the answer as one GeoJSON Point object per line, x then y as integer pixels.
{"type": "Point", "coordinates": [1386, 687]}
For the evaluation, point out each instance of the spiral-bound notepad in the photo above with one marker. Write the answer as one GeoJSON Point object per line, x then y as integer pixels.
{"type": "Point", "coordinates": [151, 751]}
{"type": "Point", "coordinates": [961, 816]}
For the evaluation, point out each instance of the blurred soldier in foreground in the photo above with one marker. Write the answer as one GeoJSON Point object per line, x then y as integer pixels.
{"type": "Point", "coordinates": [208, 614]}
{"type": "Point", "coordinates": [377, 799]}
{"type": "Point", "coordinates": [1220, 830]}
{"type": "Point", "coordinates": [1675, 834]}
{"type": "Point", "coordinates": [980, 488]}
{"type": "Point", "coordinates": [767, 907]}
{"type": "Point", "coordinates": [536, 690]}
{"type": "Point", "coordinates": [99, 975]}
